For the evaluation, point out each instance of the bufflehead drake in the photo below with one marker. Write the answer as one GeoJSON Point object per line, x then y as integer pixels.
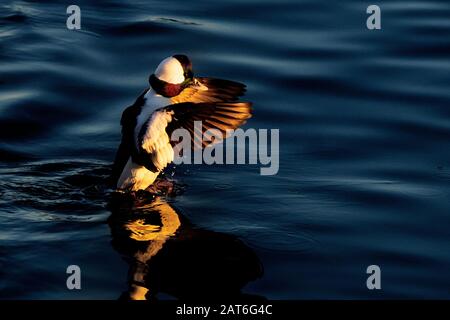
{"type": "Point", "coordinates": [174, 99]}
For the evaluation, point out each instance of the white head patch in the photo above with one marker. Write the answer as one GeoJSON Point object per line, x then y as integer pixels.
{"type": "Point", "coordinates": [170, 70]}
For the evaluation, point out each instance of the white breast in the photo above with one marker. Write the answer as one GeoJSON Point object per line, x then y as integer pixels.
{"type": "Point", "coordinates": [135, 177]}
{"type": "Point", "coordinates": [153, 101]}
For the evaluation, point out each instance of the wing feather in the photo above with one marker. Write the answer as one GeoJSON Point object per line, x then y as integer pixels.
{"type": "Point", "coordinates": [210, 90]}
{"type": "Point", "coordinates": [214, 102]}
{"type": "Point", "coordinates": [222, 116]}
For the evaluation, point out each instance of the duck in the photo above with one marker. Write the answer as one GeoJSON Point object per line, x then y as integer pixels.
{"type": "Point", "coordinates": [174, 99]}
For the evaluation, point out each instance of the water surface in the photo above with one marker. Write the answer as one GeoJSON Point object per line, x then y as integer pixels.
{"type": "Point", "coordinates": [364, 148]}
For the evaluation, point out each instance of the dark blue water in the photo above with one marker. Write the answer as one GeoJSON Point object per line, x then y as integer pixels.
{"type": "Point", "coordinates": [364, 119]}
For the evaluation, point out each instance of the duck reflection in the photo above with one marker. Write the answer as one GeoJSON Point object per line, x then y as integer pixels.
{"type": "Point", "coordinates": [167, 254]}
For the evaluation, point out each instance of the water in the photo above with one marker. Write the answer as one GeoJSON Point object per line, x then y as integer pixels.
{"type": "Point", "coordinates": [364, 160]}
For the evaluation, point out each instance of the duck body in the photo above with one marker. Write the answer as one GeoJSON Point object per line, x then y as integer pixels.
{"type": "Point", "coordinates": [135, 175]}
{"type": "Point", "coordinates": [174, 100]}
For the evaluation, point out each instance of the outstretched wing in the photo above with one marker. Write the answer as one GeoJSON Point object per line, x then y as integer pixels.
{"type": "Point", "coordinates": [155, 149]}
{"type": "Point", "coordinates": [221, 117]}
{"type": "Point", "coordinates": [210, 90]}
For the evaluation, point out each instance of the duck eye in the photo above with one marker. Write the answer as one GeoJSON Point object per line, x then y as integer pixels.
{"type": "Point", "coordinates": [188, 74]}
